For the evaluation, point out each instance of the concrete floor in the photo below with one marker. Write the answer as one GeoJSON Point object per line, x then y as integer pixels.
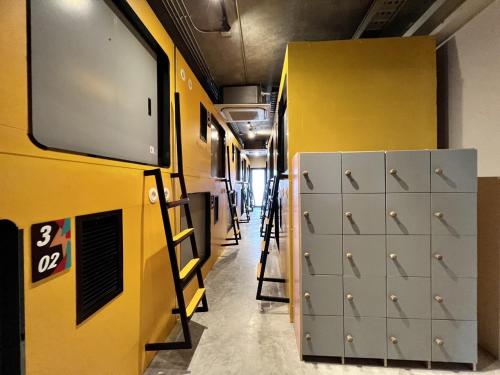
{"type": "Point", "coordinates": [235, 337]}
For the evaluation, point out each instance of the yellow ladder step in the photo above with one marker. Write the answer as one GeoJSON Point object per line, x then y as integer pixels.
{"type": "Point", "coordinates": [259, 267]}
{"type": "Point", "coordinates": [190, 309]}
{"type": "Point", "coordinates": [266, 221]}
{"type": "Point", "coordinates": [179, 237]}
{"type": "Point", "coordinates": [262, 245]}
{"type": "Point", "coordinates": [188, 268]}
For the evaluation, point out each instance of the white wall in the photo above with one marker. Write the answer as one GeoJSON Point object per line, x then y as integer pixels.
{"type": "Point", "coordinates": [469, 97]}
{"type": "Point", "coordinates": [257, 161]}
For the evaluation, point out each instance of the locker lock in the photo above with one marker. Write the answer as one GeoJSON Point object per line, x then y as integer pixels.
{"type": "Point", "coordinates": [393, 298]}
{"type": "Point", "coordinates": [348, 255]}
{"type": "Point", "coordinates": [393, 171]}
{"type": "Point", "coordinates": [439, 215]}
{"type": "Point", "coordinates": [348, 214]}
{"type": "Point", "coordinates": [439, 341]}
{"type": "Point", "coordinates": [438, 171]}
{"type": "Point", "coordinates": [439, 299]}
{"type": "Point", "coordinates": [393, 214]}
{"type": "Point", "coordinates": [348, 172]}
{"type": "Point", "coordinates": [393, 339]}
{"type": "Point", "coordinates": [306, 214]}
{"type": "Point", "coordinates": [349, 338]}
{"type": "Point", "coordinates": [307, 295]}
{"type": "Point", "coordinates": [349, 297]}
{"type": "Point", "coordinates": [393, 256]}
{"type": "Point", "coordinates": [438, 256]}
{"type": "Point", "coordinates": [308, 336]}
{"type": "Point", "coordinates": [306, 255]}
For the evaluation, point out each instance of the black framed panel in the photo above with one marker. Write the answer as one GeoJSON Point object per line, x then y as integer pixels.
{"type": "Point", "coordinates": [154, 149]}
{"type": "Point", "coordinates": [11, 299]}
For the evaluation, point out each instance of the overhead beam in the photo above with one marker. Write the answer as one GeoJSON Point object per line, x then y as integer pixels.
{"type": "Point", "coordinates": [424, 17]}
{"type": "Point", "coordinates": [366, 20]}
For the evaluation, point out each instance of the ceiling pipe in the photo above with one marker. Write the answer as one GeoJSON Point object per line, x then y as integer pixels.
{"type": "Point", "coordinates": [242, 44]}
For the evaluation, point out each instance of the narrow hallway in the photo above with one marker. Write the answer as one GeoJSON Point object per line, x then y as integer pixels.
{"type": "Point", "coordinates": [234, 337]}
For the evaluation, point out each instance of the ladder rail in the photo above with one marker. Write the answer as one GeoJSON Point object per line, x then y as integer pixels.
{"type": "Point", "coordinates": [273, 210]}
{"type": "Point", "coordinates": [179, 284]}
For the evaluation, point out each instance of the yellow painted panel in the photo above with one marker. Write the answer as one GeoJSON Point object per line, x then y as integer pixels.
{"type": "Point", "coordinates": [356, 95]}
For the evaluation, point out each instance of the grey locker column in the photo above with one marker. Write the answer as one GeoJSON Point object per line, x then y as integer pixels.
{"type": "Point", "coordinates": [321, 254]}
{"type": "Point", "coordinates": [454, 255]}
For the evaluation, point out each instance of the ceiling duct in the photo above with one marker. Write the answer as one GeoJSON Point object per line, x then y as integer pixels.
{"type": "Point", "coordinates": [243, 104]}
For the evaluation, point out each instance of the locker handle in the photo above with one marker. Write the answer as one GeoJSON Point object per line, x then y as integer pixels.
{"type": "Point", "coordinates": [348, 255]}
{"type": "Point", "coordinates": [349, 297]}
{"type": "Point", "coordinates": [306, 255]}
{"type": "Point", "coordinates": [306, 214]}
{"type": "Point", "coordinates": [439, 341]}
{"type": "Point", "coordinates": [348, 172]}
{"type": "Point", "coordinates": [393, 214]}
{"type": "Point", "coordinates": [305, 174]}
{"type": "Point", "coordinates": [438, 256]}
{"type": "Point", "coordinates": [308, 336]}
{"type": "Point", "coordinates": [439, 299]}
{"type": "Point", "coordinates": [393, 256]}
{"type": "Point", "coordinates": [393, 339]}
{"type": "Point", "coordinates": [439, 215]}
{"type": "Point", "coordinates": [349, 338]}
{"type": "Point", "coordinates": [348, 214]}
{"type": "Point", "coordinates": [438, 171]}
{"type": "Point", "coordinates": [393, 298]}
{"type": "Point", "coordinates": [307, 295]}
{"type": "Point", "coordinates": [393, 171]}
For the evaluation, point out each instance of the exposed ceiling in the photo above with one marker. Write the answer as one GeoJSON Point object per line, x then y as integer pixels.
{"type": "Point", "coordinates": [243, 42]}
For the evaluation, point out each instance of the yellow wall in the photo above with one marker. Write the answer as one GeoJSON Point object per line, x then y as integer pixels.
{"type": "Point", "coordinates": [38, 185]}
{"type": "Point", "coordinates": [368, 94]}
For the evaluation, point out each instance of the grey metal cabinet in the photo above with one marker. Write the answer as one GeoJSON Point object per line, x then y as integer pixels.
{"type": "Point", "coordinates": [321, 213]}
{"type": "Point", "coordinates": [322, 335]}
{"type": "Point", "coordinates": [409, 297]}
{"type": "Point", "coordinates": [363, 213]}
{"type": "Point", "coordinates": [454, 257]}
{"type": "Point", "coordinates": [407, 171]}
{"type": "Point", "coordinates": [365, 337]}
{"type": "Point", "coordinates": [454, 299]}
{"type": "Point", "coordinates": [322, 295]}
{"type": "Point", "coordinates": [409, 339]}
{"type": "Point", "coordinates": [408, 255]}
{"type": "Point", "coordinates": [454, 341]}
{"type": "Point", "coordinates": [364, 255]}
{"type": "Point", "coordinates": [387, 254]}
{"type": "Point", "coordinates": [364, 296]}
{"type": "Point", "coordinates": [454, 214]}
{"type": "Point", "coordinates": [321, 254]}
{"type": "Point", "coordinates": [363, 172]}
{"type": "Point", "coordinates": [454, 171]}
{"type": "Point", "coordinates": [408, 213]}
{"type": "Point", "coordinates": [320, 173]}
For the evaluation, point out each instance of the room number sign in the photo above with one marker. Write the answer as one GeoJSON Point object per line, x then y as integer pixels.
{"type": "Point", "coordinates": [50, 248]}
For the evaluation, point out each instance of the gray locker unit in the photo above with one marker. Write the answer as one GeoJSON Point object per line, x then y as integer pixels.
{"type": "Point", "coordinates": [388, 255]}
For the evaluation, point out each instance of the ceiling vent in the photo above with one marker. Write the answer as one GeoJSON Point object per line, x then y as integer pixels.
{"type": "Point", "coordinates": [244, 104]}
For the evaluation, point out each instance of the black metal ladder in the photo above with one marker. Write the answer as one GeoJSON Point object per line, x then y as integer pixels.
{"type": "Point", "coordinates": [265, 244]}
{"type": "Point", "coordinates": [265, 211]}
{"type": "Point", "coordinates": [231, 200]}
{"type": "Point", "coordinates": [183, 276]}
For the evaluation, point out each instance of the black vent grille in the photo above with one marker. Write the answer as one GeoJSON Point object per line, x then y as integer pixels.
{"type": "Point", "coordinates": [99, 261]}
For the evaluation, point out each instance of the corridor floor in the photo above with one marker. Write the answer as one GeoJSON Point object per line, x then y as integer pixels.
{"type": "Point", "coordinates": [235, 337]}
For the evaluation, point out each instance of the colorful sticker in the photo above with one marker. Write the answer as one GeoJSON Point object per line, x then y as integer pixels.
{"type": "Point", "coordinates": [50, 248]}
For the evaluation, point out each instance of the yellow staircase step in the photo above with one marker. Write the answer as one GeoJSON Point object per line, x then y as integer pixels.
{"type": "Point", "coordinates": [179, 237]}
{"type": "Point", "coordinates": [190, 309]}
{"type": "Point", "coordinates": [186, 270]}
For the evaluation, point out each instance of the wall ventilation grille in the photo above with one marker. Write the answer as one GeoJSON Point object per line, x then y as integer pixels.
{"type": "Point", "coordinates": [99, 261]}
